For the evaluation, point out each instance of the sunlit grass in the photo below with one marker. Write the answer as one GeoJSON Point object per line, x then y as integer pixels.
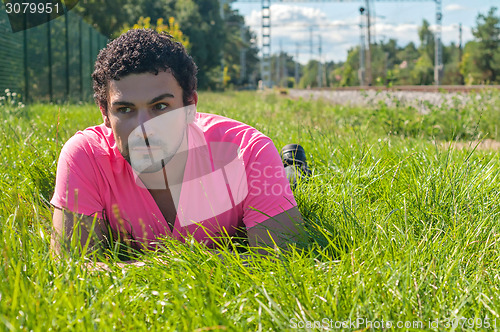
{"type": "Point", "coordinates": [401, 229]}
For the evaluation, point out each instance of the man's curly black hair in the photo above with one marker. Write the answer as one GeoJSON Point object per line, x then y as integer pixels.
{"type": "Point", "coordinates": [143, 51]}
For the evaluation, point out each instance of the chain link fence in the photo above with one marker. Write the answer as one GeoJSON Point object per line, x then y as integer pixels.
{"type": "Point", "coordinates": [50, 62]}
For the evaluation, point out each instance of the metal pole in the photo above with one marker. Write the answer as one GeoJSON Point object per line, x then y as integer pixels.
{"type": "Point", "coordinates": [369, 48]}
{"type": "Point", "coordinates": [80, 45]}
{"type": "Point", "coordinates": [296, 65]}
{"type": "Point", "coordinates": [278, 65]}
{"type": "Point", "coordinates": [361, 72]}
{"type": "Point", "coordinates": [284, 71]}
{"type": "Point", "coordinates": [25, 49]}
{"type": "Point", "coordinates": [320, 67]}
{"type": "Point", "coordinates": [438, 57]}
{"type": "Point", "coordinates": [66, 37]}
{"type": "Point", "coordinates": [266, 43]}
{"type": "Point", "coordinates": [90, 54]}
{"type": "Point", "coordinates": [460, 50]}
{"type": "Point", "coordinates": [311, 43]}
{"type": "Point", "coordinates": [49, 52]}
{"type": "Point", "coordinates": [221, 13]}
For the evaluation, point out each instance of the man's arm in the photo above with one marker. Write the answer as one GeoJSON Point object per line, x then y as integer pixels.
{"type": "Point", "coordinates": [66, 223]}
{"type": "Point", "coordinates": [285, 228]}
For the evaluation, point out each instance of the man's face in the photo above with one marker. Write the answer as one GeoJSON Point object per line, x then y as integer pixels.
{"type": "Point", "coordinates": [146, 114]}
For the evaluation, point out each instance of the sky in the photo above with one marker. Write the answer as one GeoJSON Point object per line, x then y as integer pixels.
{"type": "Point", "coordinates": [336, 24]}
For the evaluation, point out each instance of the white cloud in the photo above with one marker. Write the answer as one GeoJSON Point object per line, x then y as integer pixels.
{"type": "Point", "coordinates": [454, 7]}
{"type": "Point", "coordinates": [286, 14]}
{"type": "Point", "coordinates": [293, 26]}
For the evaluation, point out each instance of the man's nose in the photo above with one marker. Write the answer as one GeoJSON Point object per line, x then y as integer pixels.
{"type": "Point", "coordinates": [145, 125]}
{"type": "Point", "coordinates": [144, 116]}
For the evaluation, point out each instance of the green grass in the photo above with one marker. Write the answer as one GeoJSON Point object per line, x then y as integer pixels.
{"type": "Point", "coordinates": [401, 229]}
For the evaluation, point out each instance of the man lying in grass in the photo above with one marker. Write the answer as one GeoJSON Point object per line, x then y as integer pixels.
{"type": "Point", "coordinates": [157, 168]}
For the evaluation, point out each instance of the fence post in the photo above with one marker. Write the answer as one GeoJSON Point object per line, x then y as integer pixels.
{"type": "Point", "coordinates": [49, 48]}
{"type": "Point", "coordinates": [66, 37]}
{"type": "Point", "coordinates": [80, 42]}
{"type": "Point", "coordinates": [25, 49]}
{"type": "Point", "coordinates": [90, 55]}
{"type": "Point", "coordinates": [96, 34]}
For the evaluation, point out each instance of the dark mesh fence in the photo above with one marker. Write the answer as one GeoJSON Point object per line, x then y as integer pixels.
{"type": "Point", "coordinates": [49, 62]}
{"type": "Point", "coordinates": [11, 56]}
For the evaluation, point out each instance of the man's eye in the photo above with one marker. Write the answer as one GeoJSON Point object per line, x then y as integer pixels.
{"type": "Point", "coordinates": [124, 110]}
{"type": "Point", "coordinates": [160, 107]}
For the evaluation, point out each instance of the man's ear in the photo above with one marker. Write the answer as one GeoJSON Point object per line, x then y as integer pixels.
{"type": "Point", "coordinates": [195, 98]}
{"type": "Point", "coordinates": [105, 117]}
{"type": "Point", "coordinates": [191, 109]}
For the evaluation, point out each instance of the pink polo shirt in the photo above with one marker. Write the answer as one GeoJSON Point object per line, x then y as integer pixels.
{"type": "Point", "coordinates": [234, 178]}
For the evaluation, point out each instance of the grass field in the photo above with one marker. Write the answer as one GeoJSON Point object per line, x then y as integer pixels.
{"type": "Point", "coordinates": [404, 232]}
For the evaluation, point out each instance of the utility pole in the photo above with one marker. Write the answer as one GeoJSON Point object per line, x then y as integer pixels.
{"type": "Point", "coordinates": [369, 49]}
{"type": "Point", "coordinates": [311, 42]}
{"type": "Point", "coordinates": [320, 68]}
{"type": "Point", "coordinates": [361, 71]}
{"type": "Point", "coordinates": [278, 66]}
{"type": "Point", "coordinates": [284, 71]}
{"type": "Point", "coordinates": [460, 51]}
{"type": "Point", "coordinates": [438, 58]}
{"type": "Point", "coordinates": [296, 65]}
{"type": "Point", "coordinates": [266, 44]}
{"type": "Point", "coordinates": [460, 42]}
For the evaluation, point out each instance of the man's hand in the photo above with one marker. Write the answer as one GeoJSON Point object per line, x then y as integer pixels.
{"type": "Point", "coordinates": [90, 231]}
{"type": "Point", "coordinates": [281, 230]}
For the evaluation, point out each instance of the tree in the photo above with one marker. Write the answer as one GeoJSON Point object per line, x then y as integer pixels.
{"type": "Point", "coordinates": [309, 77]}
{"type": "Point", "coordinates": [487, 55]}
{"type": "Point", "coordinates": [468, 66]}
{"type": "Point", "coordinates": [406, 59]}
{"type": "Point", "coordinates": [171, 28]}
{"type": "Point", "coordinates": [201, 22]}
{"type": "Point", "coordinates": [108, 17]}
{"type": "Point", "coordinates": [451, 56]}
{"type": "Point", "coordinates": [423, 72]}
{"type": "Point", "coordinates": [427, 43]}
{"type": "Point", "coordinates": [350, 68]}
{"type": "Point", "coordinates": [239, 40]}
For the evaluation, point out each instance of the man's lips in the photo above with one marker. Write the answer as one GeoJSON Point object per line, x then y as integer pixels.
{"type": "Point", "coordinates": [145, 148]}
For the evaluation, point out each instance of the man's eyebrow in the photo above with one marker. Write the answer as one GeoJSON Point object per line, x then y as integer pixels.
{"type": "Point", "coordinates": [160, 97]}
{"type": "Point", "coordinates": [154, 100]}
{"type": "Point", "coordinates": [122, 103]}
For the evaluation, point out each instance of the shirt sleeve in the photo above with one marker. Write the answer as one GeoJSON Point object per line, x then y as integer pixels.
{"type": "Point", "coordinates": [269, 192]}
{"type": "Point", "coordinates": [77, 187]}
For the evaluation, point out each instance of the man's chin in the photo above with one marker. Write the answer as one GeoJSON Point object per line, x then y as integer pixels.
{"type": "Point", "coordinates": [141, 168]}
{"type": "Point", "coordinates": [147, 167]}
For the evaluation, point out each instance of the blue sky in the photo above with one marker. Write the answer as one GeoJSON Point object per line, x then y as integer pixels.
{"type": "Point", "coordinates": [337, 23]}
